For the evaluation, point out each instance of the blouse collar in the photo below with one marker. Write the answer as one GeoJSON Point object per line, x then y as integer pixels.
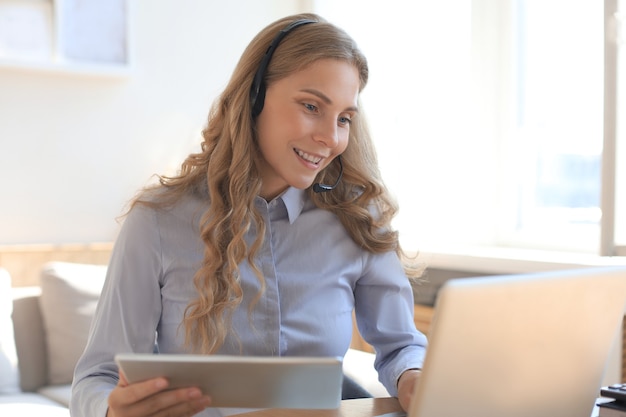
{"type": "Point", "coordinates": [294, 200]}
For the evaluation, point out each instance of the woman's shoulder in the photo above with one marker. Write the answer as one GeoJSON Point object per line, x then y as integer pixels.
{"type": "Point", "coordinates": [159, 204]}
{"type": "Point", "coordinates": [165, 199]}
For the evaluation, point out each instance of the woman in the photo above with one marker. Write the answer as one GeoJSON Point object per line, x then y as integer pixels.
{"type": "Point", "coordinates": [266, 240]}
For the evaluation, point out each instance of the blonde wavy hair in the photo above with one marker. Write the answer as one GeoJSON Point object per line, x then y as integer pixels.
{"type": "Point", "coordinates": [226, 173]}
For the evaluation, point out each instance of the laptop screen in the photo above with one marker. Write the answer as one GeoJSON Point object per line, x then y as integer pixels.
{"type": "Point", "coordinates": [532, 345]}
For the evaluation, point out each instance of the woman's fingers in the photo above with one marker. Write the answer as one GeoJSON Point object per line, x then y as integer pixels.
{"type": "Point", "coordinates": [179, 402]}
{"type": "Point", "coordinates": [125, 395]}
{"type": "Point", "coordinates": [152, 398]}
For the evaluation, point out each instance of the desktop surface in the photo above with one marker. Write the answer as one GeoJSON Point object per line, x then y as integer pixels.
{"type": "Point", "coordinates": [364, 407]}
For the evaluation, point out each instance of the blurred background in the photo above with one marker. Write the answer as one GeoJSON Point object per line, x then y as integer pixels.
{"type": "Point", "coordinates": [496, 121]}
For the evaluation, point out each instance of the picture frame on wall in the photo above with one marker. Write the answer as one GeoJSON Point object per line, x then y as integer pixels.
{"type": "Point", "coordinates": [88, 37]}
{"type": "Point", "coordinates": [93, 31]}
{"type": "Point", "coordinates": [26, 30]}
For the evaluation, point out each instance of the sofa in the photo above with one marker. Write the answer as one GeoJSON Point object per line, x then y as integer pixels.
{"type": "Point", "coordinates": [44, 328]}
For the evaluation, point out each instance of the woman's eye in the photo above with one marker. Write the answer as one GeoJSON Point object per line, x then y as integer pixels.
{"type": "Point", "coordinates": [310, 107]}
{"type": "Point", "coordinates": [345, 120]}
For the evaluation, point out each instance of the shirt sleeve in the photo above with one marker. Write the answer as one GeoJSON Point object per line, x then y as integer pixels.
{"type": "Point", "coordinates": [384, 312]}
{"type": "Point", "coordinates": [127, 314]}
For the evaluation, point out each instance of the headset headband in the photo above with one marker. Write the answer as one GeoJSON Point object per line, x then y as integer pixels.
{"type": "Point", "coordinates": [257, 93]}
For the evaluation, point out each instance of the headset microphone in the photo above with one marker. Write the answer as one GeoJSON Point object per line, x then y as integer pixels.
{"type": "Point", "coordinates": [322, 188]}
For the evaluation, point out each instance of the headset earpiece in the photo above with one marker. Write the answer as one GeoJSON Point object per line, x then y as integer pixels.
{"type": "Point", "coordinates": [257, 92]}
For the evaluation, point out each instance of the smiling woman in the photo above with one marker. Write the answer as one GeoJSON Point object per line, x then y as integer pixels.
{"type": "Point", "coordinates": [220, 254]}
{"type": "Point", "coordinates": [305, 124]}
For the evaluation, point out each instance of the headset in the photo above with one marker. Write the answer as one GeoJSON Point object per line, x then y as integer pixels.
{"type": "Point", "coordinates": [257, 92]}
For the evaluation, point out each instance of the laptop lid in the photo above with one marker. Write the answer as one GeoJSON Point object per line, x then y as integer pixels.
{"type": "Point", "coordinates": [532, 345]}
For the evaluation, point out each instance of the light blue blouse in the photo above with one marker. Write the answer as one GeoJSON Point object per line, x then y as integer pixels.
{"type": "Point", "coordinates": [315, 276]}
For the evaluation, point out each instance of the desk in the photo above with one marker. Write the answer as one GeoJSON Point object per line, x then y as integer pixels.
{"type": "Point", "coordinates": [366, 407]}
{"type": "Point", "coordinates": [363, 407]}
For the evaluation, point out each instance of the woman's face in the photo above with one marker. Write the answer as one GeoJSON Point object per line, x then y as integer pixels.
{"type": "Point", "coordinates": [305, 123]}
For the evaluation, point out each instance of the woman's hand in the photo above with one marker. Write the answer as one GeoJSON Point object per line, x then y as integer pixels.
{"type": "Point", "coordinates": [151, 398]}
{"type": "Point", "coordinates": [406, 387]}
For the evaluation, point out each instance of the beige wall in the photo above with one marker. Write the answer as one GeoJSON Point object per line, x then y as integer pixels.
{"type": "Point", "coordinates": [74, 149]}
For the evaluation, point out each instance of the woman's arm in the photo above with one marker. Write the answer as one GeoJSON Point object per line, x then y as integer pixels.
{"type": "Point", "coordinates": [127, 315]}
{"type": "Point", "coordinates": [384, 312]}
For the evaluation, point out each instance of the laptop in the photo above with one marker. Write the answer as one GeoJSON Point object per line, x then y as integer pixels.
{"type": "Point", "coordinates": [532, 345]}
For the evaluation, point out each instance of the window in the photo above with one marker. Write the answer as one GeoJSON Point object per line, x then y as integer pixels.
{"type": "Point", "coordinates": [554, 133]}
{"type": "Point", "coordinates": [489, 122]}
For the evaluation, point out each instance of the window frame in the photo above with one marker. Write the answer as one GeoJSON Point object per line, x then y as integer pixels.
{"type": "Point", "coordinates": [612, 23]}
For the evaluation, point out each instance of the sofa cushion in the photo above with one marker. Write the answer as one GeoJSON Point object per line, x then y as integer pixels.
{"type": "Point", "coordinates": [30, 339]}
{"type": "Point", "coordinates": [9, 375]}
{"type": "Point", "coordinates": [69, 295]}
{"type": "Point", "coordinates": [59, 393]}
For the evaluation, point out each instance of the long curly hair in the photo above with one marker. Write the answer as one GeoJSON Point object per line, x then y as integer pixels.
{"type": "Point", "coordinates": [226, 174]}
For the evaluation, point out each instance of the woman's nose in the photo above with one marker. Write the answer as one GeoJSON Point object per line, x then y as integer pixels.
{"type": "Point", "coordinates": [328, 133]}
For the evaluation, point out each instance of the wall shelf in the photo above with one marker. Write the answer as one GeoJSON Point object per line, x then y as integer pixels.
{"type": "Point", "coordinates": [68, 68]}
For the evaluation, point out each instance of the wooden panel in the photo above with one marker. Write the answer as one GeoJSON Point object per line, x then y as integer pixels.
{"type": "Point", "coordinates": [24, 262]}
{"type": "Point", "coordinates": [423, 316]}
{"type": "Point", "coordinates": [624, 350]}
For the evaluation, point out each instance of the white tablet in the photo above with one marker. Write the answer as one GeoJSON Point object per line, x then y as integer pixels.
{"type": "Point", "coordinates": [245, 381]}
